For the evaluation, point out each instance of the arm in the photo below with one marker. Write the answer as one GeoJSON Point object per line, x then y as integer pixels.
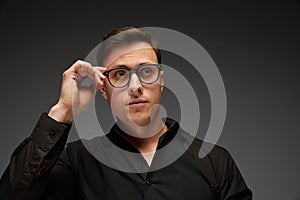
{"type": "Point", "coordinates": [32, 161]}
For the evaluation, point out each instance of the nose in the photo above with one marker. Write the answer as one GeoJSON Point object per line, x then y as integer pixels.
{"type": "Point", "coordinates": [135, 87]}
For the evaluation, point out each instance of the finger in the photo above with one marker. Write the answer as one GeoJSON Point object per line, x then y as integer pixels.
{"type": "Point", "coordinates": [84, 70]}
{"type": "Point", "coordinates": [96, 76]}
{"type": "Point", "coordinates": [81, 75]}
{"type": "Point", "coordinates": [80, 65]}
{"type": "Point", "coordinates": [98, 83]}
{"type": "Point", "coordinates": [92, 88]}
{"type": "Point", "coordinates": [100, 71]}
{"type": "Point", "coordinates": [100, 75]}
{"type": "Point", "coordinates": [76, 71]}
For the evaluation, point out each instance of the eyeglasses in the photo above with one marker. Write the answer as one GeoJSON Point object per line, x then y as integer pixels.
{"type": "Point", "coordinates": [120, 77]}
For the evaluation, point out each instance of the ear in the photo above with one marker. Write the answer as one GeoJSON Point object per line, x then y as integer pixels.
{"type": "Point", "coordinates": [162, 81]}
{"type": "Point", "coordinates": [103, 91]}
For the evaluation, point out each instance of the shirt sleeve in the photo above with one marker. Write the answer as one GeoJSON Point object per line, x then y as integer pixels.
{"type": "Point", "coordinates": [231, 184]}
{"type": "Point", "coordinates": [31, 162]}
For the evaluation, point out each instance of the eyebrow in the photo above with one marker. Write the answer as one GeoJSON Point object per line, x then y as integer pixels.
{"type": "Point", "coordinates": [126, 67]}
{"type": "Point", "coordinates": [121, 66]}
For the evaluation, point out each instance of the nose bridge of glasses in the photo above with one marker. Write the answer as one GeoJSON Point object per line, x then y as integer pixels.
{"type": "Point", "coordinates": [134, 80]}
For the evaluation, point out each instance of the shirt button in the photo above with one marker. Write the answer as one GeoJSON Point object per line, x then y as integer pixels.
{"type": "Point", "coordinates": [149, 183]}
{"type": "Point", "coordinates": [52, 134]}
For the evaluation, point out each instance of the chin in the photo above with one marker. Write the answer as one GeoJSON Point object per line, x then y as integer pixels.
{"type": "Point", "coordinates": [140, 119]}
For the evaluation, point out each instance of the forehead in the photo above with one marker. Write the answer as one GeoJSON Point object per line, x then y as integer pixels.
{"type": "Point", "coordinates": [130, 55]}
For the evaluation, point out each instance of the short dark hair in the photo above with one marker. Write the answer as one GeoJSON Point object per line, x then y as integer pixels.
{"type": "Point", "coordinates": [125, 35]}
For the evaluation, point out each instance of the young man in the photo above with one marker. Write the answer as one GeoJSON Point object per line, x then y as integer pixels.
{"type": "Point", "coordinates": [132, 82]}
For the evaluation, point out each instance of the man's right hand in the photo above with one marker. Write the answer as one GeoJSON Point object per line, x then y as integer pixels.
{"type": "Point", "coordinates": [74, 98]}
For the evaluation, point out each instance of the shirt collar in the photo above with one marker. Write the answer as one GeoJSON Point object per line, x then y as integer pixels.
{"type": "Point", "coordinates": [117, 136]}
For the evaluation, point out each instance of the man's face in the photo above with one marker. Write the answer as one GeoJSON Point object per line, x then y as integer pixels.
{"type": "Point", "coordinates": [134, 102]}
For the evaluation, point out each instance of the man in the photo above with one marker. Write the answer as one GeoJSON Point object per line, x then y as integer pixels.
{"type": "Point", "coordinates": [132, 82]}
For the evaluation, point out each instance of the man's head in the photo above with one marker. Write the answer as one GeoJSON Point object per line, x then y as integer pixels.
{"type": "Point", "coordinates": [122, 36]}
{"type": "Point", "coordinates": [134, 77]}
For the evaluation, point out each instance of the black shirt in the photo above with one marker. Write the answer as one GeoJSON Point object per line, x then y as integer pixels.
{"type": "Point", "coordinates": [42, 168]}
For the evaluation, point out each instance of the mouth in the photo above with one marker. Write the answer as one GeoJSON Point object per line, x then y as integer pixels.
{"type": "Point", "coordinates": [137, 103]}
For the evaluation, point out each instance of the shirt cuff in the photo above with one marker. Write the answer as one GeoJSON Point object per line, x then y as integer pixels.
{"type": "Point", "coordinates": [48, 131]}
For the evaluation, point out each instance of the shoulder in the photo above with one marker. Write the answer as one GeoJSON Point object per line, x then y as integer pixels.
{"type": "Point", "coordinates": [200, 149]}
{"type": "Point", "coordinates": [215, 157]}
{"type": "Point", "coordinates": [214, 151]}
{"type": "Point", "coordinates": [221, 168]}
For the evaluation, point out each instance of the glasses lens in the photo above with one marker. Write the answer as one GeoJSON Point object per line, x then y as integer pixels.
{"type": "Point", "coordinates": [119, 77]}
{"type": "Point", "coordinates": [148, 73]}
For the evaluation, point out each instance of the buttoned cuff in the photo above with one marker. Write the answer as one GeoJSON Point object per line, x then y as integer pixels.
{"type": "Point", "coordinates": [48, 131]}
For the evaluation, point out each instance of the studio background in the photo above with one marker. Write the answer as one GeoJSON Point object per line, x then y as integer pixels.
{"type": "Point", "coordinates": [255, 45]}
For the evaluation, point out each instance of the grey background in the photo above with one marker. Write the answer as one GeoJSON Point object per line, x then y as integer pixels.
{"type": "Point", "coordinates": [255, 44]}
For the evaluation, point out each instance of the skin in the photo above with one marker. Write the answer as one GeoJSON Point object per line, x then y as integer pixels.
{"type": "Point", "coordinates": [135, 106]}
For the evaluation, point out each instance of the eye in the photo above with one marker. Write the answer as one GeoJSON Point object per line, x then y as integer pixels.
{"type": "Point", "coordinates": [146, 71]}
{"type": "Point", "coordinates": [118, 73]}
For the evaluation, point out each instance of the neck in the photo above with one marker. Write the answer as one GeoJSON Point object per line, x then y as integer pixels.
{"type": "Point", "coordinates": [144, 138]}
{"type": "Point", "coordinates": [147, 146]}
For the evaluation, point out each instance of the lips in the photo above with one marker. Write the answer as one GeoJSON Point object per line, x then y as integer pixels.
{"type": "Point", "coordinates": [137, 102]}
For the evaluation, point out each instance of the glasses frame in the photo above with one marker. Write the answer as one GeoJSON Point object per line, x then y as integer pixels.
{"type": "Point", "coordinates": [134, 70]}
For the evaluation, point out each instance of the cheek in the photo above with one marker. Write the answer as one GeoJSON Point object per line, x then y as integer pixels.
{"type": "Point", "coordinates": [155, 93]}
{"type": "Point", "coordinates": [116, 97]}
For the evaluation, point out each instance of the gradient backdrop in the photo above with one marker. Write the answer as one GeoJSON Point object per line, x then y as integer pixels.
{"type": "Point", "coordinates": [255, 45]}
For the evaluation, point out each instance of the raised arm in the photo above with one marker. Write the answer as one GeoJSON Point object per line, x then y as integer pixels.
{"type": "Point", "coordinates": [32, 161]}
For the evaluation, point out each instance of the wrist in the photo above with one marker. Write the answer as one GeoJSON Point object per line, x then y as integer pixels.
{"type": "Point", "coordinates": [61, 114]}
